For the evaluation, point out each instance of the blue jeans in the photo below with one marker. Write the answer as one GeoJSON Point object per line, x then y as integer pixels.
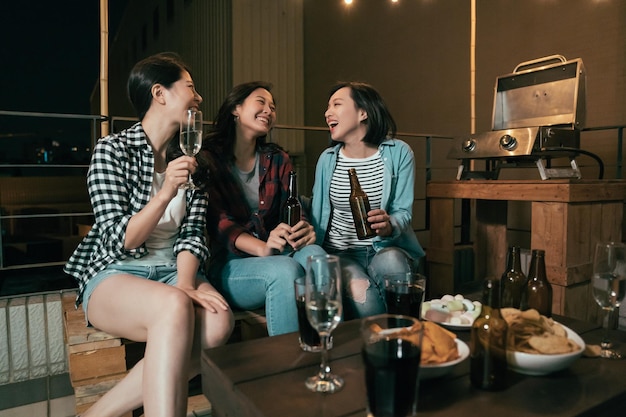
{"type": "Point", "coordinates": [363, 271]}
{"type": "Point", "coordinates": [253, 282]}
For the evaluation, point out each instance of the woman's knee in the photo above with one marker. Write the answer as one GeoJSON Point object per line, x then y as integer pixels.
{"type": "Point", "coordinates": [216, 327]}
{"type": "Point", "coordinates": [285, 269]}
{"type": "Point", "coordinates": [364, 299]}
{"type": "Point", "coordinates": [389, 260]}
{"type": "Point", "coordinates": [176, 306]}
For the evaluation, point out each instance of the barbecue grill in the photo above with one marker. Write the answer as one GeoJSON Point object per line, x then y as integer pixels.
{"type": "Point", "coordinates": [538, 113]}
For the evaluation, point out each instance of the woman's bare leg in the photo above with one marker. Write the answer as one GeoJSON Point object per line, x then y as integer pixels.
{"type": "Point", "coordinates": [212, 329]}
{"type": "Point", "coordinates": [162, 316]}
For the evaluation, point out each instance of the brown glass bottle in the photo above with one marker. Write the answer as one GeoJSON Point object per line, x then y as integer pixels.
{"type": "Point", "coordinates": [513, 281]}
{"type": "Point", "coordinates": [292, 210]}
{"type": "Point", "coordinates": [360, 206]}
{"type": "Point", "coordinates": [488, 339]}
{"type": "Point", "coordinates": [538, 293]}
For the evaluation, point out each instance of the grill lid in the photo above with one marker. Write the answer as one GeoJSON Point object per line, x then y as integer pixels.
{"type": "Point", "coordinates": [538, 110]}
{"type": "Point", "coordinates": [541, 93]}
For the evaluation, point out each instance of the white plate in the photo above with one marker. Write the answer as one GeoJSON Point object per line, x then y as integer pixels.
{"type": "Point", "coordinates": [542, 364]}
{"type": "Point", "coordinates": [455, 326]}
{"type": "Point", "coordinates": [436, 313]}
{"type": "Point", "coordinates": [429, 371]}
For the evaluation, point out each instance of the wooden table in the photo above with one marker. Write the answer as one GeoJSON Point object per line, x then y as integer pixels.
{"type": "Point", "coordinates": [265, 378]}
{"type": "Point", "coordinates": [568, 217]}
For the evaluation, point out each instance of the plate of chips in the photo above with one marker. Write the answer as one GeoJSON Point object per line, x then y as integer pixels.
{"type": "Point", "coordinates": [539, 345]}
{"type": "Point", "coordinates": [441, 351]}
{"type": "Point", "coordinates": [437, 370]}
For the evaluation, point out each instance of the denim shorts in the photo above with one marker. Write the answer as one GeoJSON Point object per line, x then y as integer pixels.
{"type": "Point", "coordinates": [167, 274]}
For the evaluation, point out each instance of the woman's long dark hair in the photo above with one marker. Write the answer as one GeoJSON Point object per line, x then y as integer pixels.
{"type": "Point", "coordinates": [164, 68]}
{"type": "Point", "coordinates": [218, 145]}
{"type": "Point", "coordinates": [380, 123]}
{"type": "Point", "coordinates": [221, 137]}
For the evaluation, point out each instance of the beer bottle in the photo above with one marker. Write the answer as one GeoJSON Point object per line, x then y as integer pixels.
{"type": "Point", "coordinates": [292, 210]}
{"type": "Point", "coordinates": [488, 339]}
{"type": "Point", "coordinates": [538, 292]}
{"type": "Point", "coordinates": [360, 206]}
{"type": "Point", "coordinates": [513, 280]}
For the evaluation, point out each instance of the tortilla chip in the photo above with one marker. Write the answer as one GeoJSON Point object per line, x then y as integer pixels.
{"type": "Point", "coordinates": [438, 344]}
{"type": "Point", "coordinates": [531, 332]}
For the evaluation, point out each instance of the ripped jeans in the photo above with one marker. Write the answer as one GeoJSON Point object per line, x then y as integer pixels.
{"type": "Point", "coordinates": [363, 271]}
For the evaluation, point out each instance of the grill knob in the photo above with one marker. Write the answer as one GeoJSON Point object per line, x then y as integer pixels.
{"type": "Point", "coordinates": [508, 142]}
{"type": "Point", "coordinates": [469, 145]}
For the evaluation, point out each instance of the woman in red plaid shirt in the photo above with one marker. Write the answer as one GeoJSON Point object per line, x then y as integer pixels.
{"type": "Point", "coordinates": [255, 256]}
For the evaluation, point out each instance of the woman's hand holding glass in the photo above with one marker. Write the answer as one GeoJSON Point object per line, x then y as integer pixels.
{"type": "Point", "coordinates": [191, 139]}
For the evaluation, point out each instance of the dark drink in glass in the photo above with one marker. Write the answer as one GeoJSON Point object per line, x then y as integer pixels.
{"type": "Point", "coordinates": [309, 338]}
{"type": "Point", "coordinates": [391, 365]}
{"type": "Point", "coordinates": [404, 298]}
{"type": "Point", "coordinates": [404, 293]}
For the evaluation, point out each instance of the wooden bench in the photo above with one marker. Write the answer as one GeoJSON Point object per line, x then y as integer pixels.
{"type": "Point", "coordinates": [97, 360]}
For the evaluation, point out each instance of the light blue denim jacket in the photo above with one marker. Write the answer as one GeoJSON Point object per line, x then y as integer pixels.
{"type": "Point", "coordinates": [397, 199]}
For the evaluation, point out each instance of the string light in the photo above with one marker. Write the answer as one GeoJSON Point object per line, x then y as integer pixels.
{"type": "Point", "coordinates": [349, 2]}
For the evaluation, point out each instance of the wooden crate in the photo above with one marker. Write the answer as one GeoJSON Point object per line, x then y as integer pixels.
{"type": "Point", "coordinates": [97, 361]}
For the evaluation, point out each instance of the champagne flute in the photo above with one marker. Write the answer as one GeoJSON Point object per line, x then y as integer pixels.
{"type": "Point", "coordinates": [323, 309]}
{"type": "Point", "coordinates": [609, 286]}
{"type": "Point", "coordinates": [191, 139]}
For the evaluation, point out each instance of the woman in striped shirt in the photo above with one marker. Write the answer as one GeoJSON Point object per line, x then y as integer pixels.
{"type": "Point", "coordinates": [362, 131]}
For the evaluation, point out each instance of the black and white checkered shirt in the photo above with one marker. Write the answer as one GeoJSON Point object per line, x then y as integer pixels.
{"type": "Point", "coordinates": [119, 182]}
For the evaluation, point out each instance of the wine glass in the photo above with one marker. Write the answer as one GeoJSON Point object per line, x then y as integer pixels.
{"type": "Point", "coordinates": [191, 139]}
{"type": "Point", "coordinates": [323, 309]}
{"type": "Point", "coordinates": [609, 286]}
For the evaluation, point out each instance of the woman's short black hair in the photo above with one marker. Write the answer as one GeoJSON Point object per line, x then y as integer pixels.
{"type": "Point", "coordinates": [380, 123]}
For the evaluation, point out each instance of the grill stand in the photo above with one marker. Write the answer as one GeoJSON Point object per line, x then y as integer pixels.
{"type": "Point", "coordinates": [543, 165]}
{"type": "Point", "coordinates": [552, 173]}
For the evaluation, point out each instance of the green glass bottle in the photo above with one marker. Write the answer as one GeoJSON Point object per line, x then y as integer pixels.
{"type": "Point", "coordinates": [488, 340]}
{"type": "Point", "coordinates": [513, 281]}
{"type": "Point", "coordinates": [538, 294]}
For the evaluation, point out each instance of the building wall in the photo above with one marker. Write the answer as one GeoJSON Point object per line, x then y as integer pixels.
{"type": "Point", "coordinates": [417, 54]}
{"type": "Point", "coordinates": [225, 43]}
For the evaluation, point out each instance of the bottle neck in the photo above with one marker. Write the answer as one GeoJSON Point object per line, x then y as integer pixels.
{"type": "Point", "coordinates": [355, 187]}
{"type": "Point", "coordinates": [538, 267]}
{"type": "Point", "coordinates": [514, 263]}
{"type": "Point", "coordinates": [293, 186]}
{"type": "Point", "coordinates": [491, 295]}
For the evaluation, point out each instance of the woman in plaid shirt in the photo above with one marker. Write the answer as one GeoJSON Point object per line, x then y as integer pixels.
{"type": "Point", "coordinates": [138, 269]}
{"type": "Point", "coordinates": [252, 260]}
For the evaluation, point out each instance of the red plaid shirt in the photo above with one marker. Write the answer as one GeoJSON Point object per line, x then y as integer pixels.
{"type": "Point", "coordinates": [229, 216]}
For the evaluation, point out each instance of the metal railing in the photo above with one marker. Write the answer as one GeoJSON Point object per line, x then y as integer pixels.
{"type": "Point", "coordinates": [432, 144]}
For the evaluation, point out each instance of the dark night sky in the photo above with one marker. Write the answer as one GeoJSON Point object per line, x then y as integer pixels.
{"type": "Point", "coordinates": [50, 52]}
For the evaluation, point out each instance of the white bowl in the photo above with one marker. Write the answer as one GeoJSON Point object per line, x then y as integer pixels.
{"type": "Point", "coordinates": [542, 364]}
{"type": "Point", "coordinates": [436, 370]}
